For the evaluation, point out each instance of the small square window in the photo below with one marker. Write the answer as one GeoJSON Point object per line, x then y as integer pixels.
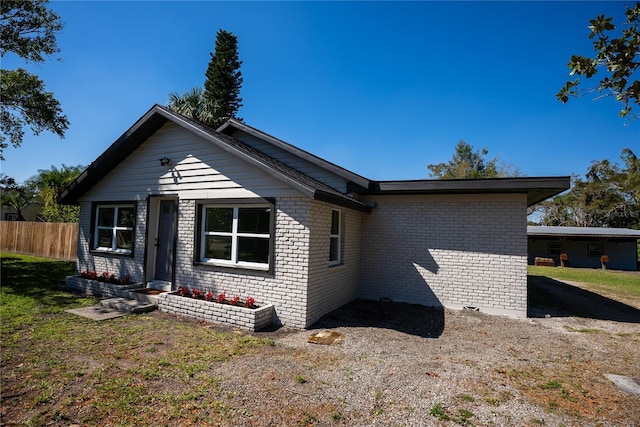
{"type": "Point", "coordinates": [114, 228]}
{"type": "Point", "coordinates": [594, 250]}
{"type": "Point", "coordinates": [553, 248]}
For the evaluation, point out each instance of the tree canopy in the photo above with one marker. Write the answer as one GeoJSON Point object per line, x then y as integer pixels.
{"type": "Point", "coordinates": [219, 100]}
{"type": "Point", "coordinates": [608, 196]}
{"type": "Point", "coordinates": [49, 184]}
{"type": "Point", "coordinates": [41, 190]}
{"type": "Point", "coordinates": [469, 164]}
{"type": "Point", "coordinates": [616, 57]}
{"type": "Point", "coordinates": [27, 28]}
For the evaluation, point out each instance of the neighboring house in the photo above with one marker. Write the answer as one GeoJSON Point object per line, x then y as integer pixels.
{"type": "Point", "coordinates": [238, 211]}
{"type": "Point", "coordinates": [31, 213]}
{"type": "Point", "coordinates": [585, 245]}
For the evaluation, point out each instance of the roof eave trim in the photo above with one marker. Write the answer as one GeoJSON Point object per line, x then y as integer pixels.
{"type": "Point", "coordinates": [108, 155]}
{"type": "Point", "coordinates": [334, 199]}
{"type": "Point", "coordinates": [536, 188]}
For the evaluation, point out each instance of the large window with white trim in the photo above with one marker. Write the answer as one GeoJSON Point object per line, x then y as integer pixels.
{"type": "Point", "coordinates": [236, 236]}
{"type": "Point", "coordinates": [334, 238]}
{"type": "Point", "coordinates": [114, 228]}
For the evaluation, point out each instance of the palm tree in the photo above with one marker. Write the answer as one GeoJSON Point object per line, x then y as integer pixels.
{"type": "Point", "coordinates": [194, 105]}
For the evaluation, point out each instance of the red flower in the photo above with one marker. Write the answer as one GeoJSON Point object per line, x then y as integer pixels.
{"type": "Point", "coordinates": [234, 300]}
{"type": "Point", "coordinates": [208, 296]}
{"type": "Point", "coordinates": [249, 302]}
{"type": "Point", "coordinates": [221, 298]}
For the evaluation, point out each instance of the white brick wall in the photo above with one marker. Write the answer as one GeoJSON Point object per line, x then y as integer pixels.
{"type": "Point", "coordinates": [285, 288]}
{"type": "Point", "coordinates": [452, 250]}
{"type": "Point", "coordinates": [332, 286]}
{"type": "Point", "coordinates": [116, 264]}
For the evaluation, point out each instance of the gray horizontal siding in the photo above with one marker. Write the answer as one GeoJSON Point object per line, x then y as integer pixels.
{"type": "Point", "coordinates": [199, 169]}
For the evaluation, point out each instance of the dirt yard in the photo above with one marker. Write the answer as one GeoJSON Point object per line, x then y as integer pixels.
{"type": "Point", "coordinates": [397, 365]}
{"type": "Point", "coordinates": [402, 364]}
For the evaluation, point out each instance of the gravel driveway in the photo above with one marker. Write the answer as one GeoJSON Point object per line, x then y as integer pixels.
{"type": "Point", "coordinates": [401, 364]}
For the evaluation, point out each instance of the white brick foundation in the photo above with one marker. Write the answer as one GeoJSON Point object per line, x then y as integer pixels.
{"type": "Point", "coordinates": [251, 319]}
{"type": "Point", "coordinates": [97, 288]}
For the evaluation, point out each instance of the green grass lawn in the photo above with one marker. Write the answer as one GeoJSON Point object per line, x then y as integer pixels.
{"type": "Point", "coordinates": [610, 283]}
{"type": "Point", "coordinates": [63, 369]}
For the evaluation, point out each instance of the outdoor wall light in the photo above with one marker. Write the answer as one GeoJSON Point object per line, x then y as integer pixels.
{"type": "Point", "coordinates": [165, 161]}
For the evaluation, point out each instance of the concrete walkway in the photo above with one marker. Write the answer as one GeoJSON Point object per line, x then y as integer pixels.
{"type": "Point", "coordinates": [111, 308]}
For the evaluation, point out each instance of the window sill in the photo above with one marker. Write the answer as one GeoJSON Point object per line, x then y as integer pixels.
{"type": "Point", "coordinates": [111, 253]}
{"type": "Point", "coordinates": [234, 267]}
{"type": "Point", "coordinates": [339, 264]}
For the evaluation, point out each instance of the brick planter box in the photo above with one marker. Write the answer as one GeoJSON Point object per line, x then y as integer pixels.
{"type": "Point", "coordinates": [251, 319]}
{"type": "Point", "coordinates": [97, 288]}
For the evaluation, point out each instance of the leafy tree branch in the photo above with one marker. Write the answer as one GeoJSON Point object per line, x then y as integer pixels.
{"type": "Point", "coordinates": [616, 57]}
{"type": "Point", "coordinates": [27, 28]}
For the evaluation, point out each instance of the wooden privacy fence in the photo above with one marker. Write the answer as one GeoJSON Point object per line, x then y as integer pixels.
{"type": "Point", "coordinates": [47, 239]}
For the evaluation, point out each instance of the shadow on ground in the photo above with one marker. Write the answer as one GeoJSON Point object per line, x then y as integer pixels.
{"type": "Point", "coordinates": [559, 299]}
{"type": "Point", "coordinates": [38, 279]}
{"type": "Point", "coordinates": [411, 319]}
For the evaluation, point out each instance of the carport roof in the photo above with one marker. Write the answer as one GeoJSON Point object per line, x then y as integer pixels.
{"type": "Point", "coordinates": [596, 232]}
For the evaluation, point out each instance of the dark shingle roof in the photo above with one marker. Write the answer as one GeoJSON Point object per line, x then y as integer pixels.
{"type": "Point", "coordinates": [231, 125]}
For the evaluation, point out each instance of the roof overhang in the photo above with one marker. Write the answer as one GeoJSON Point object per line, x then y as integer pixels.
{"type": "Point", "coordinates": [537, 189]}
{"type": "Point", "coordinates": [146, 126]}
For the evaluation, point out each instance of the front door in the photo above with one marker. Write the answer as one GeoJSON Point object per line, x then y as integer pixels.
{"type": "Point", "coordinates": [166, 240]}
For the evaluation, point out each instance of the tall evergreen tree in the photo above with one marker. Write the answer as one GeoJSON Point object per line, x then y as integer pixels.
{"type": "Point", "coordinates": [219, 100]}
{"type": "Point", "coordinates": [223, 78]}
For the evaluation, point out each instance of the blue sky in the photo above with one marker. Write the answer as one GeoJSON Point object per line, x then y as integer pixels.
{"type": "Point", "coordinates": [380, 88]}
